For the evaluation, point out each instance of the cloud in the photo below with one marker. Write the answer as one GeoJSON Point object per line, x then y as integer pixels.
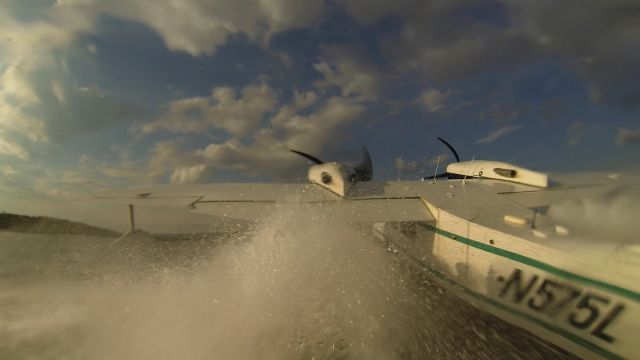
{"type": "Point", "coordinates": [627, 136]}
{"type": "Point", "coordinates": [436, 161]}
{"type": "Point", "coordinates": [433, 99]}
{"type": "Point", "coordinates": [348, 70]}
{"type": "Point", "coordinates": [44, 102]}
{"type": "Point", "coordinates": [268, 153]}
{"type": "Point", "coordinates": [12, 149]}
{"type": "Point", "coordinates": [187, 175]}
{"type": "Point", "coordinates": [40, 102]}
{"type": "Point", "coordinates": [199, 27]}
{"type": "Point", "coordinates": [8, 171]}
{"type": "Point", "coordinates": [501, 113]}
{"type": "Point", "coordinates": [165, 157]}
{"type": "Point", "coordinates": [27, 53]}
{"type": "Point", "coordinates": [498, 133]}
{"type": "Point", "coordinates": [55, 183]}
{"type": "Point", "coordinates": [304, 123]}
{"type": "Point", "coordinates": [440, 39]}
{"type": "Point", "coordinates": [599, 40]}
{"type": "Point", "coordinates": [224, 109]}
{"type": "Point", "coordinates": [404, 165]}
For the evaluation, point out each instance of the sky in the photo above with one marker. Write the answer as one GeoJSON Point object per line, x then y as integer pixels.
{"type": "Point", "coordinates": [111, 93]}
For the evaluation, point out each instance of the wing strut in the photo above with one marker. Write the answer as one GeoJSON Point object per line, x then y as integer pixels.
{"type": "Point", "coordinates": [132, 220]}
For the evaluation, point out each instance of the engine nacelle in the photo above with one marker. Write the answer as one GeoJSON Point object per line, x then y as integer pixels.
{"type": "Point", "coordinates": [500, 171]}
{"type": "Point", "coordinates": [333, 176]}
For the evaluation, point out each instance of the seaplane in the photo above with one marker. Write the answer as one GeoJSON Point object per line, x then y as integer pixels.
{"type": "Point", "coordinates": [480, 228]}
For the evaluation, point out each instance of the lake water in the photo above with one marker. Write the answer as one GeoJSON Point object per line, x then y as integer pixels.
{"type": "Point", "coordinates": [291, 288]}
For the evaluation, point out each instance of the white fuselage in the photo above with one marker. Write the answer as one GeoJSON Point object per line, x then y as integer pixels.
{"type": "Point", "coordinates": [583, 301]}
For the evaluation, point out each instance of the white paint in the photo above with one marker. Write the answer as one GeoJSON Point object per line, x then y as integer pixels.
{"type": "Point", "coordinates": [488, 169]}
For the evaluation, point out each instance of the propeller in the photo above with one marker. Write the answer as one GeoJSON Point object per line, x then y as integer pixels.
{"type": "Point", "coordinates": [308, 157]}
{"type": "Point", "coordinates": [363, 171]}
{"type": "Point", "coordinates": [445, 174]}
{"type": "Point", "coordinates": [455, 153]}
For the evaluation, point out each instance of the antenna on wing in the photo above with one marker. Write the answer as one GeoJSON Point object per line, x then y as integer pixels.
{"type": "Point", "coordinates": [308, 157]}
{"type": "Point", "coordinates": [468, 169]}
{"type": "Point", "coordinates": [455, 153]}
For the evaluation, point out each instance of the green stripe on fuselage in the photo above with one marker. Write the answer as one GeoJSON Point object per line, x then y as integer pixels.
{"type": "Point", "coordinates": [555, 329]}
{"type": "Point", "coordinates": [630, 294]}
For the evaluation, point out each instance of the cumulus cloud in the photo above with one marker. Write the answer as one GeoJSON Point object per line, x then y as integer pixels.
{"type": "Point", "coordinates": [347, 70]}
{"type": "Point", "coordinates": [404, 165]}
{"type": "Point", "coordinates": [187, 175]}
{"type": "Point", "coordinates": [268, 153]}
{"type": "Point", "coordinates": [263, 150]}
{"type": "Point", "coordinates": [39, 101]}
{"type": "Point", "coordinates": [438, 161]}
{"type": "Point", "coordinates": [12, 149]}
{"type": "Point", "coordinates": [627, 136]}
{"type": "Point", "coordinates": [224, 109]}
{"type": "Point", "coordinates": [199, 27]}
{"type": "Point", "coordinates": [27, 52]}
{"type": "Point", "coordinates": [433, 99]}
{"type": "Point", "coordinates": [498, 133]}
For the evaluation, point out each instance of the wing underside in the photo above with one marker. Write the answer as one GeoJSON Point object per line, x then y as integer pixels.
{"type": "Point", "coordinates": [360, 210]}
{"type": "Point", "coordinates": [253, 201]}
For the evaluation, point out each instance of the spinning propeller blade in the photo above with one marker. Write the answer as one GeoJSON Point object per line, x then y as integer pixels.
{"type": "Point", "coordinates": [455, 153]}
{"type": "Point", "coordinates": [307, 156]}
{"type": "Point", "coordinates": [364, 170]}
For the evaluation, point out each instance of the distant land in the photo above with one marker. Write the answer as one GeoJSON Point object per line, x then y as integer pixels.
{"type": "Point", "coordinates": [54, 226]}
{"type": "Point", "coordinates": [48, 225]}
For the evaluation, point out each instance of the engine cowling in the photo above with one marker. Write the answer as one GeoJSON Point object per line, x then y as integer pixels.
{"type": "Point", "coordinates": [500, 171]}
{"type": "Point", "coordinates": [332, 176]}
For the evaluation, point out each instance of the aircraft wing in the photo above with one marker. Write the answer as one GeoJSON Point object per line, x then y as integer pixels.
{"type": "Point", "coordinates": [176, 195]}
{"type": "Point", "coordinates": [250, 201]}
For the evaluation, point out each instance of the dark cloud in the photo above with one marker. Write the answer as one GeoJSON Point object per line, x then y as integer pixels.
{"type": "Point", "coordinates": [448, 40]}
{"type": "Point", "coordinates": [599, 38]}
{"type": "Point", "coordinates": [199, 27]}
{"type": "Point", "coordinates": [628, 136]}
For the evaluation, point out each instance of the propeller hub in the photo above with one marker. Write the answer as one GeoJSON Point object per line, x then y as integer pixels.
{"type": "Point", "coordinates": [326, 178]}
